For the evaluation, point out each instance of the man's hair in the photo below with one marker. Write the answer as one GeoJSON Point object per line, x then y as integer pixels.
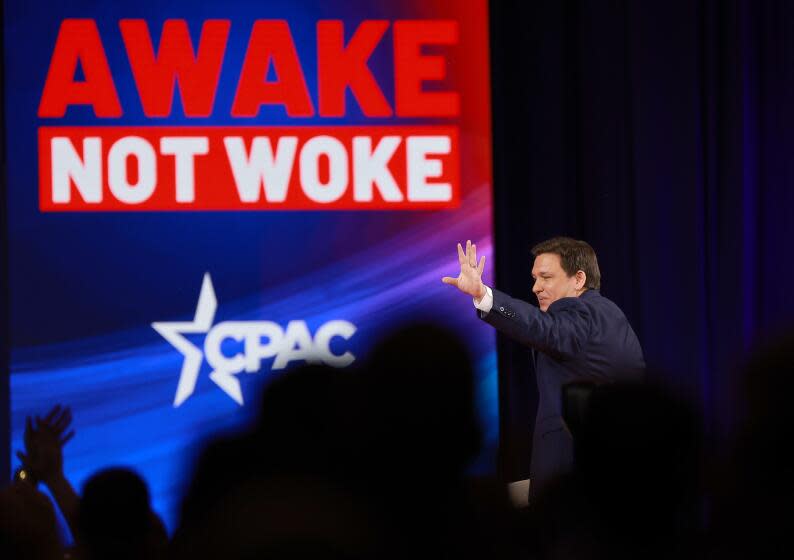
{"type": "Point", "coordinates": [575, 255]}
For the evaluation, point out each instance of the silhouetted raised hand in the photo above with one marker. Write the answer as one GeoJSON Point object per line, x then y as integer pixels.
{"type": "Point", "coordinates": [43, 456]}
{"type": "Point", "coordinates": [44, 441]}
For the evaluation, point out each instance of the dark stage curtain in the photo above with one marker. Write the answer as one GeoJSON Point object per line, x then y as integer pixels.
{"type": "Point", "coordinates": [660, 132]}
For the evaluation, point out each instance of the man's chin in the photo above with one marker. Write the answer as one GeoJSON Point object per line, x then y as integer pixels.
{"type": "Point", "coordinates": [544, 306]}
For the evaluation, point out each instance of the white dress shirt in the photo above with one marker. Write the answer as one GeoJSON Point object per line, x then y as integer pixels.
{"type": "Point", "coordinates": [486, 303]}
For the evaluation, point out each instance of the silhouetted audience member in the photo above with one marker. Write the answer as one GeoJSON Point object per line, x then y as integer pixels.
{"type": "Point", "coordinates": [42, 458]}
{"type": "Point", "coordinates": [421, 432]}
{"type": "Point", "coordinates": [753, 513]}
{"type": "Point", "coordinates": [634, 492]}
{"type": "Point", "coordinates": [115, 520]}
{"type": "Point", "coordinates": [363, 463]}
{"type": "Point", "coordinates": [420, 395]}
{"type": "Point", "coordinates": [28, 527]}
{"type": "Point", "coordinates": [372, 462]}
{"type": "Point", "coordinates": [280, 490]}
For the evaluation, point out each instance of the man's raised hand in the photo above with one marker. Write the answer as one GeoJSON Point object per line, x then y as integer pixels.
{"type": "Point", "coordinates": [469, 281]}
{"type": "Point", "coordinates": [44, 441]}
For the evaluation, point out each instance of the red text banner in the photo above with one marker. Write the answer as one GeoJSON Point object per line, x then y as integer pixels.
{"type": "Point", "coordinates": [248, 168]}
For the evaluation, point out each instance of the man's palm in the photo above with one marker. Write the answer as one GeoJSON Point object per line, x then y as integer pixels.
{"type": "Point", "coordinates": [469, 280]}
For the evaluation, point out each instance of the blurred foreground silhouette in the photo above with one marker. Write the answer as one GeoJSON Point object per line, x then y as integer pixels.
{"type": "Point", "coordinates": [372, 463]}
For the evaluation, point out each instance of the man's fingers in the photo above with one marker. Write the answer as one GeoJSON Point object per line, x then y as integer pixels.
{"type": "Point", "coordinates": [481, 266]}
{"type": "Point", "coordinates": [450, 280]}
{"type": "Point", "coordinates": [473, 256]}
{"type": "Point", "coordinates": [67, 437]}
{"type": "Point", "coordinates": [52, 413]}
{"type": "Point", "coordinates": [60, 425]}
{"type": "Point", "coordinates": [461, 255]}
{"type": "Point", "coordinates": [63, 421]}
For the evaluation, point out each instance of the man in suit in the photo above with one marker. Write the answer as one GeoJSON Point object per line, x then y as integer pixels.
{"type": "Point", "coordinates": [576, 334]}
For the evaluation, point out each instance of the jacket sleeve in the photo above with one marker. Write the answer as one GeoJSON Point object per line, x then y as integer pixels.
{"type": "Point", "coordinates": [562, 331]}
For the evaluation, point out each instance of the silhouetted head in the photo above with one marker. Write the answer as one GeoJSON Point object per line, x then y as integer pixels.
{"type": "Point", "coordinates": [421, 398]}
{"type": "Point", "coordinates": [639, 438]}
{"type": "Point", "coordinates": [634, 489]}
{"type": "Point", "coordinates": [769, 386]}
{"type": "Point", "coordinates": [115, 520]}
{"type": "Point", "coordinates": [762, 466]}
{"type": "Point", "coordinates": [306, 421]}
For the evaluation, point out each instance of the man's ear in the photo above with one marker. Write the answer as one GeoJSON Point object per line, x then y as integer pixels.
{"type": "Point", "coordinates": [581, 279]}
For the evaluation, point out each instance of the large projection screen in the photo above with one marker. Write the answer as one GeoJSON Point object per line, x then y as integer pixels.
{"type": "Point", "coordinates": [203, 195]}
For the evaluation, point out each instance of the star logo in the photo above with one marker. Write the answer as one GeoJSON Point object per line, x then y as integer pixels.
{"type": "Point", "coordinates": [261, 340]}
{"type": "Point", "coordinates": [174, 333]}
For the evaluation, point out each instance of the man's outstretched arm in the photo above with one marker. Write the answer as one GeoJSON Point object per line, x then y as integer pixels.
{"type": "Point", "coordinates": [561, 331]}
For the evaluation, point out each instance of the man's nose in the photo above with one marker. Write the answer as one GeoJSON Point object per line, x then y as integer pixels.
{"type": "Point", "coordinates": [536, 287]}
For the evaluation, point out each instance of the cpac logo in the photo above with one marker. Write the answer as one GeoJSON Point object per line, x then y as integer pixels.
{"type": "Point", "coordinates": [287, 345]}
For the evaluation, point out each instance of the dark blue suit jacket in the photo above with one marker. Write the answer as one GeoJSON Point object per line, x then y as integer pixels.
{"type": "Point", "coordinates": [577, 338]}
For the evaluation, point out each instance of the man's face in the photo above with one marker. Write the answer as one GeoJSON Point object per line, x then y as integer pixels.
{"type": "Point", "coordinates": [551, 281]}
